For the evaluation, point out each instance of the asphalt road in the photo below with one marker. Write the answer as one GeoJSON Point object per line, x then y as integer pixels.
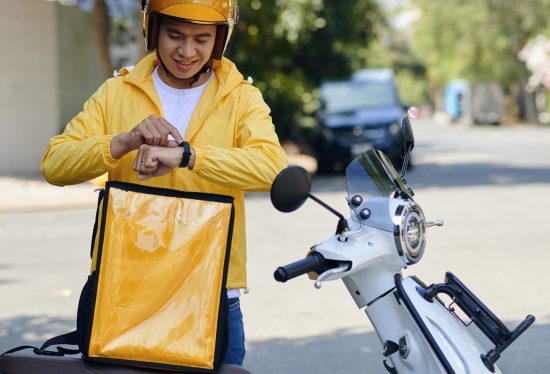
{"type": "Point", "coordinates": [491, 185]}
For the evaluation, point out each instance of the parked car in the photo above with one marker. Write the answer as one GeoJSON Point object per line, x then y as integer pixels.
{"type": "Point", "coordinates": [487, 103]}
{"type": "Point", "coordinates": [357, 115]}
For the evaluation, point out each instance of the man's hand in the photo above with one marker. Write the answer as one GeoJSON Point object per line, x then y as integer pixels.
{"type": "Point", "coordinates": [153, 161]}
{"type": "Point", "coordinates": [151, 131]}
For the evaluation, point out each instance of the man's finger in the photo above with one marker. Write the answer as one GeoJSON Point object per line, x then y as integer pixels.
{"type": "Point", "coordinates": [156, 135]}
{"type": "Point", "coordinates": [172, 144]}
{"type": "Point", "coordinates": [172, 130]}
{"type": "Point", "coordinates": [161, 170]}
{"type": "Point", "coordinates": [149, 166]}
{"type": "Point", "coordinates": [162, 130]}
{"type": "Point", "coordinates": [149, 161]}
{"type": "Point", "coordinates": [137, 160]}
{"type": "Point", "coordinates": [164, 138]}
{"type": "Point", "coordinates": [144, 131]}
{"type": "Point", "coordinates": [141, 157]}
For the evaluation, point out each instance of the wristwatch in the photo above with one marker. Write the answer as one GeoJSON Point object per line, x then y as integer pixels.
{"type": "Point", "coordinates": [186, 154]}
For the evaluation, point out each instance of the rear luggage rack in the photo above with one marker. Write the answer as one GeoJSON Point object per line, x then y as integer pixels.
{"type": "Point", "coordinates": [483, 318]}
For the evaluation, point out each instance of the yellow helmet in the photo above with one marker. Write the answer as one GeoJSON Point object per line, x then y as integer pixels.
{"type": "Point", "coordinates": [223, 13]}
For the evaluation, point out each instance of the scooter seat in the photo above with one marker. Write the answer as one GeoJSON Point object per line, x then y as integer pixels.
{"type": "Point", "coordinates": [30, 363]}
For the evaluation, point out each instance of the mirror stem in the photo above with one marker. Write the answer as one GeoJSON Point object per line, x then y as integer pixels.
{"type": "Point", "coordinates": [338, 214]}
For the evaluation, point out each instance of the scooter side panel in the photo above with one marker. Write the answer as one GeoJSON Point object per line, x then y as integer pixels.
{"type": "Point", "coordinates": [392, 322]}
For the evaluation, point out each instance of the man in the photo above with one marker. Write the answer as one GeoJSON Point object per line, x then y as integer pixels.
{"type": "Point", "coordinates": [187, 94]}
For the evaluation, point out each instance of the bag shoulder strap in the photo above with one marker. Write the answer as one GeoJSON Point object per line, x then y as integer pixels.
{"type": "Point", "coordinates": [70, 338]}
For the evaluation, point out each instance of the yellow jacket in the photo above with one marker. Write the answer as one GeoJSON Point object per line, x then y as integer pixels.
{"type": "Point", "coordinates": [231, 132]}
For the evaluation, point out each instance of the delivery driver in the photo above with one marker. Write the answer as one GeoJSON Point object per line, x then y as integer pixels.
{"type": "Point", "coordinates": [186, 94]}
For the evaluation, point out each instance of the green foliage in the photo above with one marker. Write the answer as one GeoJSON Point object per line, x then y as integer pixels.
{"type": "Point", "coordinates": [392, 50]}
{"type": "Point", "coordinates": [287, 46]}
{"type": "Point", "coordinates": [413, 89]}
{"type": "Point", "coordinates": [290, 46]}
{"type": "Point", "coordinates": [476, 39]}
{"type": "Point", "coordinates": [121, 31]}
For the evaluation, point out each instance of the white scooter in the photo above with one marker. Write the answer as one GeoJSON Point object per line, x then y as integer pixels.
{"type": "Point", "coordinates": [385, 233]}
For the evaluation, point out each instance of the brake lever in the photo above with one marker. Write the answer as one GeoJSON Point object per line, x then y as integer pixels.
{"type": "Point", "coordinates": [330, 272]}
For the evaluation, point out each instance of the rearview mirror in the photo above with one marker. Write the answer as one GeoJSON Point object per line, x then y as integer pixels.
{"type": "Point", "coordinates": [407, 137]}
{"type": "Point", "coordinates": [407, 143]}
{"type": "Point", "coordinates": [290, 189]}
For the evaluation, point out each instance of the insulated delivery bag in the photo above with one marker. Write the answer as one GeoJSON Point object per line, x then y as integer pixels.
{"type": "Point", "coordinates": [156, 294]}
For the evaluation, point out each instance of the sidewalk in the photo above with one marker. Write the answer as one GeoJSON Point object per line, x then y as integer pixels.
{"type": "Point", "coordinates": [28, 195]}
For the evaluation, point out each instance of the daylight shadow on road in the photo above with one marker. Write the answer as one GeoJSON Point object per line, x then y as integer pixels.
{"type": "Point", "coordinates": [454, 175]}
{"type": "Point", "coordinates": [32, 330]}
{"type": "Point", "coordinates": [349, 352]}
{"type": "Point", "coordinates": [342, 351]}
{"type": "Point", "coordinates": [462, 175]}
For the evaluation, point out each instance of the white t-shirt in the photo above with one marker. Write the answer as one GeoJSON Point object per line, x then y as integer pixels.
{"type": "Point", "coordinates": [178, 106]}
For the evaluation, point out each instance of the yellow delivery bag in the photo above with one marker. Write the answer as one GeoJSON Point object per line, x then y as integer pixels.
{"type": "Point", "coordinates": [156, 295]}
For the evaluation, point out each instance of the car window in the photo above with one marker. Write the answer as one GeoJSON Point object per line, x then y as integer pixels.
{"type": "Point", "coordinates": [347, 96]}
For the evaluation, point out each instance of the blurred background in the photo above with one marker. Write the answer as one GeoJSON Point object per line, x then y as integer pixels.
{"type": "Point", "coordinates": [475, 61]}
{"type": "Point", "coordinates": [337, 75]}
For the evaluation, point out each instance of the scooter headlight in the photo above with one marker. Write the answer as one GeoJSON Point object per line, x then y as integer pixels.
{"type": "Point", "coordinates": [412, 233]}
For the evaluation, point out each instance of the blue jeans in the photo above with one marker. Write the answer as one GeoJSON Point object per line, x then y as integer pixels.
{"type": "Point", "coordinates": [235, 345]}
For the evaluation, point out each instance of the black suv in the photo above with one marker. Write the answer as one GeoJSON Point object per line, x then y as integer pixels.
{"type": "Point", "coordinates": [357, 115]}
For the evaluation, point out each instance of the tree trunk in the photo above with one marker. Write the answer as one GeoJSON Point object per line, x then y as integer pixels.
{"type": "Point", "coordinates": [100, 24]}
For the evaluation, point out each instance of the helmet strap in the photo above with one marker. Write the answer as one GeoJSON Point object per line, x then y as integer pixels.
{"type": "Point", "coordinates": [204, 70]}
{"type": "Point", "coordinates": [168, 72]}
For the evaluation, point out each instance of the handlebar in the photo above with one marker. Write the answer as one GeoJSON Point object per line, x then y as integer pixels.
{"type": "Point", "coordinates": [313, 262]}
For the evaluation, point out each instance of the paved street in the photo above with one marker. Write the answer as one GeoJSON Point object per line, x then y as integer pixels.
{"type": "Point", "coordinates": [491, 185]}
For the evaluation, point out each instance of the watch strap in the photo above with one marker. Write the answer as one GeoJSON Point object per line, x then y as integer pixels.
{"type": "Point", "coordinates": [186, 154]}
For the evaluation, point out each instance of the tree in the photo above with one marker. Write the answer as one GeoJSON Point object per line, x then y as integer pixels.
{"type": "Point", "coordinates": [101, 28]}
{"type": "Point", "coordinates": [290, 46]}
{"type": "Point", "coordinates": [477, 39]}
{"type": "Point", "coordinates": [114, 28]}
{"type": "Point", "coordinates": [536, 55]}
{"type": "Point", "coordinates": [287, 46]}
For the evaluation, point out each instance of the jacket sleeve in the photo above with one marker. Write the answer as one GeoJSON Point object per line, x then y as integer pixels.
{"type": "Point", "coordinates": [257, 158]}
{"type": "Point", "coordinates": [83, 151]}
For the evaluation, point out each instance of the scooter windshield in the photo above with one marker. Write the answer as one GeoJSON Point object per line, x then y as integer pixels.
{"type": "Point", "coordinates": [371, 182]}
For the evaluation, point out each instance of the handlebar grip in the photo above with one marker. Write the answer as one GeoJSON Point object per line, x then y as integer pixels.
{"type": "Point", "coordinates": [313, 262]}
